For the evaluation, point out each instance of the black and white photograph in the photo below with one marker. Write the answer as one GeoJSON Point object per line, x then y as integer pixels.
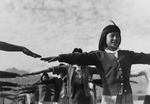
{"type": "Point", "coordinates": [74, 51]}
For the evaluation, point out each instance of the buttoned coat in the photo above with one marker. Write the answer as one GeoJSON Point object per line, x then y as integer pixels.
{"type": "Point", "coordinates": [114, 72]}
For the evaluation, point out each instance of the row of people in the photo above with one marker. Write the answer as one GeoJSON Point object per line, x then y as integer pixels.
{"type": "Point", "coordinates": [78, 81]}
{"type": "Point", "coordinates": [113, 64]}
{"type": "Point", "coordinates": [76, 89]}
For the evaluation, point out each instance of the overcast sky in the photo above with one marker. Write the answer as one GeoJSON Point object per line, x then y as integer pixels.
{"type": "Point", "coordinates": [51, 27]}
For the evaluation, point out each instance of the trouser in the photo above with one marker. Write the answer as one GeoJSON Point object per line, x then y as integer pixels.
{"type": "Point", "coordinates": [124, 99]}
{"type": "Point", "coordinates": [119, 99]}
{"type": "Point", "coordinates": [79, 96]}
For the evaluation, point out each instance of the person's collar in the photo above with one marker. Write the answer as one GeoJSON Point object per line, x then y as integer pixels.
{"type": "Point", "coordinates": [109, 51]}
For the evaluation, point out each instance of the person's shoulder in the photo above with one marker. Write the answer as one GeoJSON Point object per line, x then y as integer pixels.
{"type": "Point", "coordinates": [128, 51]}
{"type": "Point", "coordinates": [97, 51]}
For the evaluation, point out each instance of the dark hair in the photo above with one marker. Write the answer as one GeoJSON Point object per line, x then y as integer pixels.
{"type": "Point", "coordinates": [77, 50]}
{"type": "Point", "coordinates": [108, 29]}
{"type": "Point", "coordinates": [44, 74]}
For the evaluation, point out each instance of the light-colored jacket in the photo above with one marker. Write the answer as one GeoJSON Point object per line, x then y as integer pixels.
{"type": "Point", "coordinates": [69, 70]}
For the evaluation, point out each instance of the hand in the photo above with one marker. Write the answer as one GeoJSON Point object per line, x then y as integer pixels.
{"type": "Point", "coordinates": [30, 53]}
{"type": "Point", "coordinates": [50, 59]}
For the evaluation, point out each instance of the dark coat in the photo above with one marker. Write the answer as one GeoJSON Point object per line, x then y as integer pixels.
{"type": "Point", "coordinates": [115, 73]}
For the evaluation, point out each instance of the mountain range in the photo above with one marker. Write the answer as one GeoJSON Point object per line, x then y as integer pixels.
{"type": "Point", "coordinates": [15, 70]}
{"type": "Point", "coordinates": [21, 80]}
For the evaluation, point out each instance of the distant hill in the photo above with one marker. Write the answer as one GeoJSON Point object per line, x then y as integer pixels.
{"type": "Point", "coordinates": [15, 70]}
{"type": "Point", "coordinates": [21, 80]}
{"type": "Point", "coordinates": [18, 80]}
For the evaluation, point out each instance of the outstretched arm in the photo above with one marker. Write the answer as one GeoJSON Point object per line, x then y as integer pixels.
{"type": "Point", "coordinates": [50, 59]}
{"type": "Point", "coordinates": [38, 72]}
{"type": "Point", "coordinates": [55, 69]}
{"type": "Point", "coordinates": [131, 81]}
{"type": "Point", "coordinates": [85, 58]}
{"type": "Point", "coordinates": [133, 75]}
{"type": "Point", "coordinates": [15, 48]}
{"type": "Point", "coordinates": [4, 74]}
{"type": "Point", "coordinates": [141, 73]}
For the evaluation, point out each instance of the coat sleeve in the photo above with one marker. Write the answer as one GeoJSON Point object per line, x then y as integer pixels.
{"type": "Point", "coordinates": [85, 58]}
{"type": "Point", "coordinates": [60, 69]}
{"type": "Point", "coordinates": [140, 58]}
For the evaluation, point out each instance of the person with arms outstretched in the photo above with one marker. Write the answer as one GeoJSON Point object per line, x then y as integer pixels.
{"type": "Point", "coordinates": [79, 80]}
{"type": "Point", "coordinates": [114, 64]}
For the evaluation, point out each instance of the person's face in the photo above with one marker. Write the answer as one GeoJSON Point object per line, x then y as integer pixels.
{"type": "Point", "coordinates": [45, 77]}
{"type": "Point", "coordinates": [113, 40]}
